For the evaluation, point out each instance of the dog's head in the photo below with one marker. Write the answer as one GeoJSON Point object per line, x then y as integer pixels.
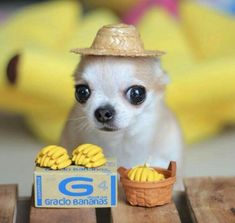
{"type": "Point", "coordinates": [114, 92]}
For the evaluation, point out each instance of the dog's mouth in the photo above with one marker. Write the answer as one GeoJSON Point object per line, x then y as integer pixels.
{"type": "Point", "coordinates": [108, 128]}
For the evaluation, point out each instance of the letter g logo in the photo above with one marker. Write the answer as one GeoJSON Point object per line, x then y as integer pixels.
{"type": "Point", "coordinates": [78, 183]}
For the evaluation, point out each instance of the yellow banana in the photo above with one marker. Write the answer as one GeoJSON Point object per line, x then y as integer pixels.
{"type": "Point", "coordinates": [151, 176]}
{"type": "Point", "coordinates": [58, 153]}
{"type": "Point", "coordinates": [43, 151]}
{"type": "Point", "coordinates": [62, 159]}
{"type": "Point", "coordinates": [160, 177]}
{"type": "Point", "coordinates": [138, 174]}
{"type": "Point", "coordinates": [78, 158]}
{"type": "Point", "coordinates": [97, 157]}
{"type": "Point", "coordinates": [88, 155]}
{"type": "Point", "coordinates": [82, 147]}
{"type": "Point", "coordinates": [74, 157]}
{"type": "Point", "coordinates": [64, 164]}
{"type": "Point", "coordinates": [89, 165]}
{"type": "Point", "coordinates": [46, 149]}
{"type": "Point", "coordinates": [75, 152]}
{"type": "Point", "coordinates": [94, 151]}
{"type": "Point", "coordinates": [86, 161]}
{"type": "Point", "coordinates": [131, 173]}
{"type": "Point", "coordinates": [51, 162]}
{"type": "Point", "coordinates": [54, 157]}
{"type": "Point", "coordinates": [46, 161]}
{"type": "Point", "coordinates": [99, 162]}
{"type": "Point", "coordinates": [42, 161]}
{"type": "Point", "coordinates": [54, 167]}
{"type": "Point", "coordinates": [144, 174]}
{"type": "Point", "coordinates": [80, 161]}
{"type": "Point", "coordinates": [38, 159]}
{"type": "Point", "coordinates": [53, 150]}
{"type": "Point", "coordinates": [87, 149]}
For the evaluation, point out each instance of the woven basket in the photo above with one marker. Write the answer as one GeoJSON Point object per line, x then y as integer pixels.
{"type": "Point", "coordinates": [149, 194]}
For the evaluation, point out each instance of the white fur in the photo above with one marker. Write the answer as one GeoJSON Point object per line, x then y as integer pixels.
{"type": "Point", "coordinates": [147, 132]}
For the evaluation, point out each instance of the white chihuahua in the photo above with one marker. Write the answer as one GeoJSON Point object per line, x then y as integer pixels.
{"type": "Point", "coordinates": [120, 107]}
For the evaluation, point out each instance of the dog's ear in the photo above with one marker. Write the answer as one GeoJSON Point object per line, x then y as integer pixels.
{"type": "Point", "coordinates": [79, 69]}
{"type": "Point", "coordinates": [161, 77]}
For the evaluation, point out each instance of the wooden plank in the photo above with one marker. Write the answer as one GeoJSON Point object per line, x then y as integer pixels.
{"type": "Point", "coordinates": [8, 203]}
{"type": "Point", "coordinates": [126, 213]}
{"type": "Point", "coordinates": [23, 208]}
{"type": "Point", "coordinates": [211, 199]}
{"type": "Point", "coordinates": [180, 201]}
{"type": "Point", "coordinates": [61, 215]}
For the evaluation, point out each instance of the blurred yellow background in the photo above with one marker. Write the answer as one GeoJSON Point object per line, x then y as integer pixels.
{"type": "Point", "coordinates": [36, 66]}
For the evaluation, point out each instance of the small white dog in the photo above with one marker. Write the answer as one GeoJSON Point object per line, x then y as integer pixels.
{"type": "Point", "coordinates": [120, 107]}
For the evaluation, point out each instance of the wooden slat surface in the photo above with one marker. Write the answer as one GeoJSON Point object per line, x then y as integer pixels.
{"type": "Point", "coordinates": [211, 199]}
{"type": "Point", "coordinates": [8, 203]}
{"type": "Point", "coordinates": [125, 213]}
{"type": "Point", "coordinates": [60, 215]}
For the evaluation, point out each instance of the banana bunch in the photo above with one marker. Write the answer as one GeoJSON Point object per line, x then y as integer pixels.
{"type": "Point", "coordinates": [144, 174]}
{"type": "Point", "coordinates": [88, 155]}
{"type": "Point", "coordinates": [54, 157]}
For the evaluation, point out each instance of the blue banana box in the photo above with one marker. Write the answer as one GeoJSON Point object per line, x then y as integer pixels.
{"type": "Point", "coordinates": [76, 186]}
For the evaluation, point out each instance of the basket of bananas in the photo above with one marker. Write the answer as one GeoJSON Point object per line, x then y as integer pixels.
{"type": "Point", "coordinates": [146, 186]}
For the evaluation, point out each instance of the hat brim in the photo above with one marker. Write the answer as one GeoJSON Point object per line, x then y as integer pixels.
{"type": "Point", "coordinates": [107, 52]}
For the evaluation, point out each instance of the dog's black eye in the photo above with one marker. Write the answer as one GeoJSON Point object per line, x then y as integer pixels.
{"type": "Point", "coordinates": [136, 94]}
{"type": "Point", "coordinates": [82, 93]}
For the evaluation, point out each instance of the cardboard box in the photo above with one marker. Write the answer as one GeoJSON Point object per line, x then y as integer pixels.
{"type": "Point", "coordinates": [76, 186]}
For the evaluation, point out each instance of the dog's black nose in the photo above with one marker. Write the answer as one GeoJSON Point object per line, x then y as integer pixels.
{"type": "Point", "coordinates": [104, 114]}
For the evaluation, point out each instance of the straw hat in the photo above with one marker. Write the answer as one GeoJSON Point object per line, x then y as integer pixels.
{"type": "Point", "coordinates": [118, 40]}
